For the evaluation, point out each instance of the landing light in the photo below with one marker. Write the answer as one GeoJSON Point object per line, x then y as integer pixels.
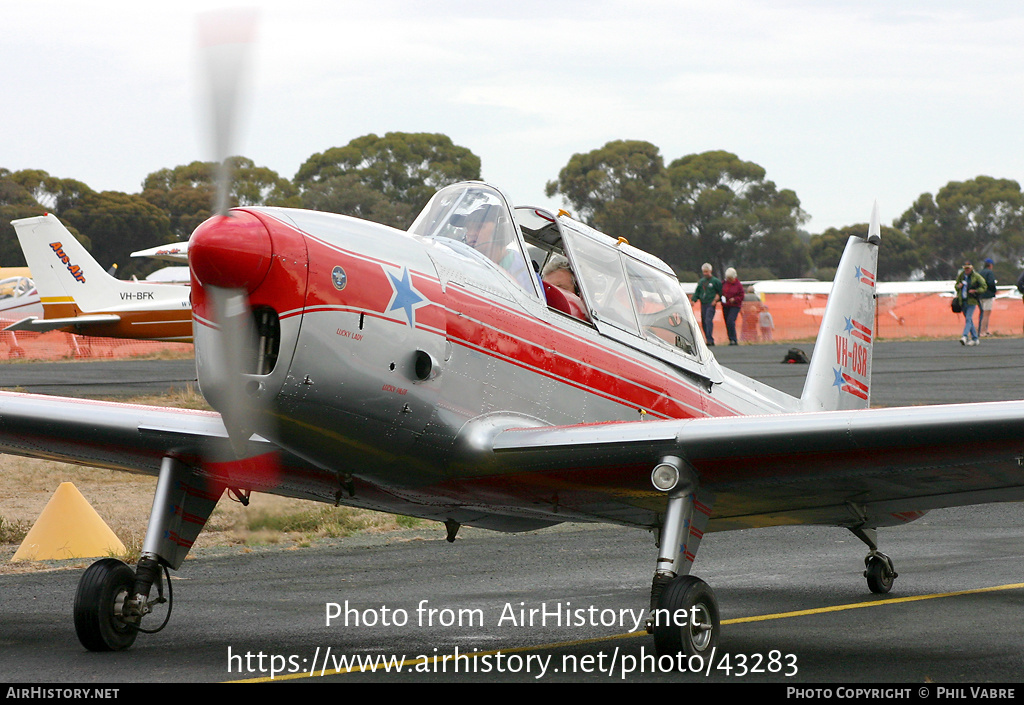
{"type": "Point", "coordinates": [665, 477]}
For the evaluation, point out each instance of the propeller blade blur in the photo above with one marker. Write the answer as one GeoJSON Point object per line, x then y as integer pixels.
{"type": "Point", "coordinates": [224, 40]}
{"type": "Point", "coordinates": [226, 385]}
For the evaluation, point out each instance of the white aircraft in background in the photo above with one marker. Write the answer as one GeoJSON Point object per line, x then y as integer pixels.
{"type": "Point", "coordinates": [18, 294]}
{"type": "Point", "coordinates": [79, 296]}
{"type": "Point", "coordinates": [174, 252]}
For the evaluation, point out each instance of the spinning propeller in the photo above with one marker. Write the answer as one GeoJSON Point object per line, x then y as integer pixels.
{"type": "Point", "coordinates": [231, 253]}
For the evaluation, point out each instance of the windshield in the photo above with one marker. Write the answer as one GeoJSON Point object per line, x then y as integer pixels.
{"type": "Point", "coordinates": [632, 294]}
{"type": "Point", "coordinates": [599, 273]}
{"type": "Point", "coordinates": [476, 215]}
{"type": "Point", "coordinates": [664, 310]}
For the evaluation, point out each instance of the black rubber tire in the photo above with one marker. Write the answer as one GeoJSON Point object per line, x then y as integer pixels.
{"type": "Point", "coordinates": [101, 586]}
{"type": "Point", "coordinates": [880, 578]}
{"type": "Point", "coordinates": [684, 593]}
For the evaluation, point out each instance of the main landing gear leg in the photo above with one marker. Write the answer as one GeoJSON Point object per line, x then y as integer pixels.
{"type": "Point", "coordinates": [878, 567]}
{"type": "Point", "coordinates": [684, 612]}
{"type": "Point", "coordinates": [112, 599]}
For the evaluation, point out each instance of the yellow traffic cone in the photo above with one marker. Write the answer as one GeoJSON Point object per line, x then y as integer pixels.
{"type": "Point", "coordinates": [68, 528]}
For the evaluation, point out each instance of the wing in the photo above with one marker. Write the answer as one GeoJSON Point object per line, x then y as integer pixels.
{"type": "Point", "coordinates": [874, 467]}
{"type": "Point", "coordinates": [136, 438]}
{"type": "Point", "coordinates": [128, 437]}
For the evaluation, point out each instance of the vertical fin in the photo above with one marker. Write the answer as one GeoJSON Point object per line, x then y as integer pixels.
{"type": "Point", "coordinates": [839, 376]}
{"type": "Point", "coordinates": [45, 243]}
{"type": "Point", "coordinates": [70, 281]}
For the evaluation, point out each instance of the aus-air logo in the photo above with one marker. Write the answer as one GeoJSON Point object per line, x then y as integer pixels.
{"type": "Point", "coordinates": [76, 271]}
{"type": "Point", "coordinates": [405, 296]}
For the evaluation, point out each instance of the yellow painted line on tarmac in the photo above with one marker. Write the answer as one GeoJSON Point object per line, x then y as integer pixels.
{"type": "Point", "coordinates": [437, 661]}
{"type": "Point", "coordinates": [874, 603]}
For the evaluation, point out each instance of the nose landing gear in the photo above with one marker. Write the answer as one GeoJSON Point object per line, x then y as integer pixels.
{"type": "Point", "coordinates": [104, 589]}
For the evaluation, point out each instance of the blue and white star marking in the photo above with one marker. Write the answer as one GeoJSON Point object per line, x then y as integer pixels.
{"type": "Point", "coordinates": [405, 296]}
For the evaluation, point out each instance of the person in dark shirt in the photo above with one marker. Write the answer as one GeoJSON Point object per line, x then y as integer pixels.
{"type": "Point", "coordinates": [732, 300]}
{"type": "Point", "coordinates": [708, 292]}
{"type": "Point", "coordinates": [969, 284]}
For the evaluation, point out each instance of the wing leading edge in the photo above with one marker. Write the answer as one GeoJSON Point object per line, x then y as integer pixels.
{"type": "Point", "coordinates": [865, 468]}
{"type": "Point", "coordinates": [136, 438]}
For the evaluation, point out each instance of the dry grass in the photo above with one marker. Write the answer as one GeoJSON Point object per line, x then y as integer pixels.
{"type": "Point", "coordinates": [124, 500]}
{"type": "Point", "coordinates": [188, 398]}
{"type": "Point", "coordinates": [168, 351]}
{"type": "Point", "coordinates": [13, 531]}
{"type": "Point", "coordinates": [182, 351]}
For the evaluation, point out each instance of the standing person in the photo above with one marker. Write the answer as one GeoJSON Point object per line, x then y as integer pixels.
{"type": "Point", "coordinates": [732, 300]}
{"type": "Point", "coordinates": [708, 292]}
{"type": "Point", "coordinates": [968, 285]}
{"type": "Point", "coordinates": [749, 312]}
{"type": "Point", "coordinates": [986, 299]}
{"type": "Point", "coordinates": [766, 323]}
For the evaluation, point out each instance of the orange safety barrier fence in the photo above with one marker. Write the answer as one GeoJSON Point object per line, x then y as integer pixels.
{"type": "Point", "coordinates": [56, 345]}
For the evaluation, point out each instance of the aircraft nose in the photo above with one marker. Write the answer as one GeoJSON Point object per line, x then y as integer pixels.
{"type": "Point", "coordinates": [231, 251]}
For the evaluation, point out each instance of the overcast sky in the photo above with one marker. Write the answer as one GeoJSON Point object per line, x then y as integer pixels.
{"type": "Point", "coordinates": [842, 101]}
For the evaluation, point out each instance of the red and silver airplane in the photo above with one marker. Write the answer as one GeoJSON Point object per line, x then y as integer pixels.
{"type": "Point", "coordinates": [433, 373]}
{"type": "Point", "coordinates": [79, 296]}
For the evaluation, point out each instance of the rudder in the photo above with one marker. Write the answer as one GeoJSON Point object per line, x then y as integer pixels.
{"type": "Point", "coordinates": [839, 376]}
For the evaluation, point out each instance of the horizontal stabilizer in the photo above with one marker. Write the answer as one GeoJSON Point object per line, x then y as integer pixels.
{"type": "Point", "coordinates": [42, 325]}
{"type": "Point", "coordinates": [175, 252]}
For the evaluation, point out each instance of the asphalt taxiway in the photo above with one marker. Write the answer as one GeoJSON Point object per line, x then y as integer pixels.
{"type": "Point", "coordinates": [556, 605]}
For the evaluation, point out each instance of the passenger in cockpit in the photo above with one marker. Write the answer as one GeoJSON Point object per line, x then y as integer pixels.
{"type": "Point", "coordinates": [558, 274]}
